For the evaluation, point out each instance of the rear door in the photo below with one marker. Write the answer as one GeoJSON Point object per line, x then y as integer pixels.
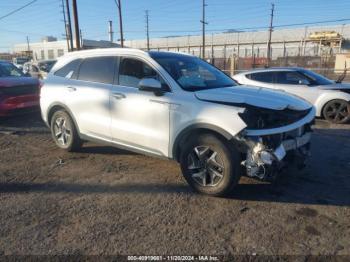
{"type": "Point", "coordinates": [88, 95]}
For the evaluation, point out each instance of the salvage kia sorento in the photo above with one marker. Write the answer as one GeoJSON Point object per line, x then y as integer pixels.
{"type": "Point", "coordinates": [176, 106]}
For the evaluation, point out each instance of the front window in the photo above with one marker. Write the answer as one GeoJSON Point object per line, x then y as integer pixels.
{"type": "Point", "coordinates": [46, 66]}
{"type": "Point", "coordinates": [192, 73]}
{"type": "Point", "coordinates": [316, 79]}
{"type": "Point", "coordinates": [9, 70]}
{"type": "Point", "coordinates": [132, 71]}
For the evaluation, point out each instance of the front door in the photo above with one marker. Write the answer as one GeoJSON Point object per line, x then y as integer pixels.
{"type": "Point", "coordinates": [295, 83]}
{"type": "Point", "coordinates": [140, 119]}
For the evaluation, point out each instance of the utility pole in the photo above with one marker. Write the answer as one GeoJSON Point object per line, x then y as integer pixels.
{"type": "Point", "coordinates": [76, 24]}
{"type": "Point", "coordinates": [203, 28]}
{"type": "Point", "coordinates": [120, 22]}
{"type": "Point", "coordinates": [147, 29]}
{"type": "Point", "coordinates": [81, 37]}
{"type": "Point", "coordinates": [69, 26]}
{"type": "Point", "coordinates": [110, 31]}
{"type": "Point", "coordinates": [28, 47]}
{"type": "Point", "coordinates": [270, 35]}
{"type": "Point", "coordinates": [65, 24]}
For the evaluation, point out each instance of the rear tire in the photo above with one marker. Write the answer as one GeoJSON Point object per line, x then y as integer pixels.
{"type": "Point", "coordinates": [64, 132]}
{"type": "Point", "coordinates": [337, 111]}
{"type": "Point", "coordinates": [209, 165]}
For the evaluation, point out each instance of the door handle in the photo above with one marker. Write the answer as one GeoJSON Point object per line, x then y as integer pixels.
{"type": "Point", "coordinates": [71, 88]}
{"type": "Point", "coordinates": [118, 95]}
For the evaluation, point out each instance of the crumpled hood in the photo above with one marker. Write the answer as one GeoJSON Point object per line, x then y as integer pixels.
{"type": "Point", "coordinates": [254, 96]}
{"type": "Point", "coordinates": [17, 81]}
{"type": "Point", "coordinates": [335, 86]}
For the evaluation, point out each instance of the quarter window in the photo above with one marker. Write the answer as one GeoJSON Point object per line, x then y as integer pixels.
{"type": "Point", "coordinates": [69, 69]}
{"type": "Point", "coordinates": [98, 69]}
{"type": "Point", "coordinates": [133, 70]}
{"type": "Point", "coordinates": [265, 77]}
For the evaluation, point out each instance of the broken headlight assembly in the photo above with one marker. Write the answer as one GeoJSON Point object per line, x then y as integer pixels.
{"type": "Point", "coordinates": [262, 118]}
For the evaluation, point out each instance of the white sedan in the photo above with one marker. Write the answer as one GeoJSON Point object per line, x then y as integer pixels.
{"type": "Point", "coordinates": [331, 99]}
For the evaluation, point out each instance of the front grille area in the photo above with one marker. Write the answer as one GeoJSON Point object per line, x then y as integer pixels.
{"type": "Point", "coordinates": [273, 141]}
{"type": "Point", "coordinates": [19, 90]}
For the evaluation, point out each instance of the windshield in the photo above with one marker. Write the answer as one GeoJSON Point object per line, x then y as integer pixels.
{"type": "Point", "coordinates": [315, 78]}
{"type": "Point", "coordinates": [8, 69]}
{"type": "Point", "coordinates": [21, 61]}
{"type": "Point", "coordinates": [46, 66]}
{"type": "Point", "coordinates": [192, 73]}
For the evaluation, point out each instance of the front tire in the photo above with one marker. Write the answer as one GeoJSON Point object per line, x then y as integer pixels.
{"type": "Point", "coordinates": [209, 165]}
{"type": "Point", "coordinates": [64, 132]}
{"type": "Point", "coordinates": [337, 111]}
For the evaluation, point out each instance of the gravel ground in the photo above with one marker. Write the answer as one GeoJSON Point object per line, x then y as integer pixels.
{"type": "Point", "coordinates": [108, 201]}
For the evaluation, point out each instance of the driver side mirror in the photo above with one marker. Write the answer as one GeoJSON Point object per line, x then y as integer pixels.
{"type": "Point", "coordinates": [151, 85]}
{"type": "Point", "coordinates": [303, 82]}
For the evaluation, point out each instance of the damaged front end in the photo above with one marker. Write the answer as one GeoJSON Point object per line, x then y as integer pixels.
{"type": "Point", "coordinates": [275, 139]}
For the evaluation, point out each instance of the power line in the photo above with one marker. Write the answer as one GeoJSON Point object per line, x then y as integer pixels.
{"type": "Point", "coordinates": [18, 9]}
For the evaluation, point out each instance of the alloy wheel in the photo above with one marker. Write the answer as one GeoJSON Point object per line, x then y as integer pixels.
{"type": "Point", "coordinates": [62, 131]}
{"type": "Point", "coordinates": [206, 166]}
{"type": "Point", "coordinates": [337, 111]}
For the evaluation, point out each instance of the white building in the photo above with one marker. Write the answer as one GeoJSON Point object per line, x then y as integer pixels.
{"type": "Point", "coordinates": [50, 48]}
{"type": "Point", "coordinates": [285, 42]}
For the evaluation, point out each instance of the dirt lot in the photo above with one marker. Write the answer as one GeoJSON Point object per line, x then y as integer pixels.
{"type": "Point", "coordinates": [107, 201]}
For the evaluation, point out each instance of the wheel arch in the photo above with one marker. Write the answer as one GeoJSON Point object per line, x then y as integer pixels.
{"type": "Point", "coordinates": [59, 106]}
{"type": "Point", "coordinates": [325, 98]}
{"type": "Point", "coordinates": [196, 129]}
{"type": "Point", "coordinates": [331, 100]}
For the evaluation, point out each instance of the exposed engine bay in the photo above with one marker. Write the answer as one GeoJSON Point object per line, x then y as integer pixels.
{"type": "Point", "coordinates": [266, 155]}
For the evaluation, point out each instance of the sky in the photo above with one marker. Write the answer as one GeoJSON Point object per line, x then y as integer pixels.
{"type": "Point", "coordinates": [166, 18]}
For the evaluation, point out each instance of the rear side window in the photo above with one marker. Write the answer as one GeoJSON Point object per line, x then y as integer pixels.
{"type": "Point", "coordinates": [98, 69]}
{"type": "Point", "coordinates": [289, 78]}
{"type": "Point", "coordinates": [69, 69]}
{"type": "Point", "coordinates": [266, 77]}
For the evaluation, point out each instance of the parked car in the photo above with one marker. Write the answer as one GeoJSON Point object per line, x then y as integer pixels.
{"type": "Point", "coordinates": [175, 106]}
{"type": "Point", "coordinates": [331, 99]}
{"type": "Point", "coordinates": [20, 61]}
{"type": "Point", "coordinates": [38, 69]}
{"type": "Point", "coordinates": [18, 92]}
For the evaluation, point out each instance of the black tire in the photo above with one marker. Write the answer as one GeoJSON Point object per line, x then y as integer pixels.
{"type": "Point", "coordinates": [337, 111]}
{"type": "Point", "coordinates": [73, 141]}
{"type": "Point", "coordinates": [225, 156]}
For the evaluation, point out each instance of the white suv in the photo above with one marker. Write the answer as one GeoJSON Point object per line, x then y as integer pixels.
{"type": "Point", "coordinates": [178, 107]}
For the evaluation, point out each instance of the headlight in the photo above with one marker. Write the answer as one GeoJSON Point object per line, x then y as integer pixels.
{"type": "Point", "coordinates": [262, 118]}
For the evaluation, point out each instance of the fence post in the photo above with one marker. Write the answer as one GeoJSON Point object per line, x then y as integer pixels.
{"type": "Point", "coordinates": [253, 56]}
{"type": "Point", "coordinates": [224, 56]}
